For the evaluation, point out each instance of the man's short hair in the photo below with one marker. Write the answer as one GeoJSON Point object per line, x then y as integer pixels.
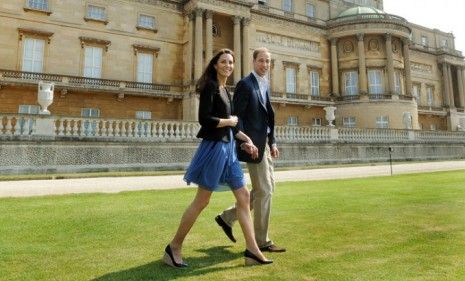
{"type": "Point", "coordinates": [258, 51]}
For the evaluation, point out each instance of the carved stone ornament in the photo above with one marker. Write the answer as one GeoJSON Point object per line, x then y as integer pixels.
{"type": "Point", "coordinates": [373, 45]}
{"type": "Point", "coordinates": [395, 46]}
{"type": "Point", "coordinates": [347, 46]}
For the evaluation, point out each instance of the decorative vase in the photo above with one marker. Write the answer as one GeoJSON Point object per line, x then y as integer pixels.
{"type": "Point", "coordinates": [45, 96]}
{"type": "Point", "coordinates": [330, 115]}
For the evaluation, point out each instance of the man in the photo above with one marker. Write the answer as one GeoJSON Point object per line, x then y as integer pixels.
{"type": "Point", "coordinates": [256, 118]}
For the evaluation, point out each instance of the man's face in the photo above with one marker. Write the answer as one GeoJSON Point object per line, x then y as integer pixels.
{"type": "Point", "coordinates": [261, 63]}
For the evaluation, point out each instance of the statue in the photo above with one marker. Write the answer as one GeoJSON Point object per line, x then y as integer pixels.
{"type": "Point", "coordinates": [45, 96]}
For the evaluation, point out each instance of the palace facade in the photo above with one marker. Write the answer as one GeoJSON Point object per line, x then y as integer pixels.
{"type": "Point", "coordinates": [140, 59]}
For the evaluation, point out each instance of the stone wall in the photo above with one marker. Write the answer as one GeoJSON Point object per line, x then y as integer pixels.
{"type": "Point", "coordinates": [35, 157]}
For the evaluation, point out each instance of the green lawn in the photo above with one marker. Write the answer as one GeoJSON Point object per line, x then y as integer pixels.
{"type": "Point", "coordinates": [407, 227]}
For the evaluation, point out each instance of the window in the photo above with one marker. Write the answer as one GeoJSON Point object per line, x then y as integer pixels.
{"type": "Point", "coordinates": [90, 112]}
{"type": "Point", "coordinates": [292, 121]}
{"type": "Point", "coordinates": [144, 67]}
{"type": "Point", "coordinates": [348, 122]}
{"type": "Point", "coordinates": [93, 62]}
{"type": "Point", "coordinates": [444, 43]}
{"type": "Point", "coordinates": [382, 122]}
{"type": "Point", "coordinates": [429, 95]}
{"type": "Point", "coordinates": [287, 5]}
{"type": "Point", "coordinates": [28, 109]}
{"type": "Point", "coordinates": [33, 55]}
{"type": "Point", "coordinates": [424, 41]}
{"type": "Point", "coordinates": [38, 4]}
{"type": "Point", "coordinates": [290, 80]}
{"type": "Point", "coordinates": [375, 82]}
{"type": "Point", "coordinates": [315, 83]}
{"type": "Point", "coordinates": [316, 122]}
{"type": "Point", "coordinates": [96, 12]}
{"type": "Point", "coordinates": [146, 22]}
{"type": "Point", "coordinates": [145, 115]}
{"type": "Point", "coordinates": [351, 83]}
{"type": "Point", "coordinates": [416, 93]}
{"type": "Point", "coordinates": [397, 83]}
{"type": "Point", "coordinates": [310, 10]}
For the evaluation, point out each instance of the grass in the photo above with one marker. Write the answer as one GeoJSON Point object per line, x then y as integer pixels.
{"type": "Point", "coordinates": [406, 227]}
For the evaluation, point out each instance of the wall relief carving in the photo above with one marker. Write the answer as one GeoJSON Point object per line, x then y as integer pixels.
{"type": "Point", "coordinates": [373, 45]}
{"type": "Point", "coordinates": [287, 42]}
{"type": "Point", "coordinates": [348, 46]}
{"type": "Point", "coordinates": [420, 67]}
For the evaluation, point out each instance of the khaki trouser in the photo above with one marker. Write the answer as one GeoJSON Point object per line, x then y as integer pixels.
{"type": "Point", "coordinates": [261, 175]}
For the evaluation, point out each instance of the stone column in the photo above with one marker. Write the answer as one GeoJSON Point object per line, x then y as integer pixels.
{"type": "Point", "coordinates": [451, 87]}
{"type": "Point", "coordinates": [362, 69]}
{"type": "Point", "coordinates": [198, 49]}
{"type": "Point", "coordinates": [245, 46]}
{"type": "Point", "coordinates": [390, 64]}
{"type": "Point", "coordinates": [407, 69]}
{"type": "Point", "coordinates": [445, 82]}
{"type": "Point", "coordinates": [237, 48]}
{"type": "Point", "coordinates": [189, 53]}
{"type": "Point", "coordinates": [208, 36]}
{"type": "Point", "coordinates": [334, 67]}
{"type": "Point", "coordinates": [462, 96]}
{"type": "Point", "coordinates": [460, 86]}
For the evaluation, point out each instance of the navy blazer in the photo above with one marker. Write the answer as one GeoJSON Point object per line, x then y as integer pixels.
{"type": "Point", "coordinates": [255, 116]}
{"type": "Point", "coordinates": [214, 106]}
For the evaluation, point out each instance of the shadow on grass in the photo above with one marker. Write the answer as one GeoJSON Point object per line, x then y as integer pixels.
{"type": "Point", "coordinates": [158, 270]}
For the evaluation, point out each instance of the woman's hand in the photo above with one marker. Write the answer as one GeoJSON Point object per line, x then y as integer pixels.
{"type": "Point", "coordinates": [233, 121]}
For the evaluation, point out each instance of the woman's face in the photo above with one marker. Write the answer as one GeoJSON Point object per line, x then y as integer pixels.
{"type": "Point", "coordinates": [224, 66]}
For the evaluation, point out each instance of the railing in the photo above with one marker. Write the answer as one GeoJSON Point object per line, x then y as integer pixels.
{"type": "Point", "coordinates": [119, 86]}
{"type": "Point", "coordinates": [296, 96]}
{"type": "Point", "coordinates": [430, 108]}
{"type": "Point", "coordinates": [265, 8]}
{"type": "Point", "coordinates": [367, 17]}
{"type": "Point", "coordinates": [380, 96]}
{"type": "Point", "coordinates": [27, 127]}
{"type": "Point", "coordinates": [349, 97]}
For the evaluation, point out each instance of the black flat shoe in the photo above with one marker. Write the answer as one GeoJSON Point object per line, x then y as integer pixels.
{"type": "Point", "coordinates": [251, 259]}
{"type": "Point", "coordinates": [168, 258]}
{"type": "Point", "coordinates": [226, 228]}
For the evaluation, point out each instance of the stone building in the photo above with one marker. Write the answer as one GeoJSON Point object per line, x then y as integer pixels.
{"type": "Point", "coordinates": [139, 59]}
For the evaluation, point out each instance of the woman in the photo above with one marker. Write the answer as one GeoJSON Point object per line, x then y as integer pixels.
{"type": "Point", "coordinates": [215, 163]}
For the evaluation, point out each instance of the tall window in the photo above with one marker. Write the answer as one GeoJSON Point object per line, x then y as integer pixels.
{"type": "Point", "coordinates": [38, 4]}
{"type": "Point", "coordinates": [290, 80]}
{"type": "Point", "coordinates": [429, 95]}
{"type": "Point", "coordinates": [292, 121]}
{"type": "Point", "coordinates": [382, 122]}
{"type": "Point", "coordinates": [315, 83]}
{"type": "Point", "coordinates": [310, 10]}
{"type": "Point", "coordinates": [144, 67]}
{"type": "Point", "coordinates": [375, 82]}
{"type": "Point", "coordinates": [444, 43]}
{"type": "Point", "coordinates": [351, 83]}
{"type": "Point", "coordinates": [93, 62]}
{"type": "Point", "coordinates": [397, 83]}
{"type": "Point", "coordinates": [416, 93]}
{"type": "Point", "coordinates": [33, 55]}
{"type": "Point", "coordinates": [96, 12]}
{"type": "Point", "coordinates": [146, 21]}
{"type": "Point", "coordinates": [349, 122]}
{"type": "Point", "coordinates": [287, 5]}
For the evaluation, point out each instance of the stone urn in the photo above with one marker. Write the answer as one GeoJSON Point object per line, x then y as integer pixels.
{"type": "Point", "coordinates": [45, 96]}
{"type": "Point", "coordinates": [330, 115]}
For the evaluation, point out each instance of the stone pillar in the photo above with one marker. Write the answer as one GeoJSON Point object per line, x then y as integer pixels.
{"type": "Point", "coordinates": [407, 69]}
{"type": "Point", "coordinates": [461, 86]}
{"type": "Point", "coordinates": [362, 69]}
{"type": "Point", "coordinates": [208, 36]}
{"type": "Point", "coordinates": [390, 64]}
{"type": "Point", "coordinates": [246, 58]}
{"type": "Point", "coordinates": [445, 82]}
{"type": "Point", "coordinates": [334, 67]}
{"type": "Point", "coordinates": [237, 48]}
{"type": "Point", "coordinates": [451, 87]}
{"type": "Point", "coordinates": [198, 49]}
{"type": "Point", "coordinates": [189, 51]}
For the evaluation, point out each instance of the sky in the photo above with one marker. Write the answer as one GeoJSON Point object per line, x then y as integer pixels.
{"type": "Point", "coordinates": [445, 15]}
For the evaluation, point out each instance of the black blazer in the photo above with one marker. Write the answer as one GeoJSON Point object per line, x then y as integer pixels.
{"type": "Point", "coordinates": [212, 107]}
{"type": "Point", "coordinates": [255, 116]}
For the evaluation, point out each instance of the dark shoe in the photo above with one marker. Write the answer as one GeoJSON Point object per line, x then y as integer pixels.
{"type": "Point", "coordinates": [168, 258]}
{"type": "Point", "coordinates": [272, 248]}
{"type": "Point", "coordinates": [226, 228]}
{"type": "Point", "coordinates": [251, 259]}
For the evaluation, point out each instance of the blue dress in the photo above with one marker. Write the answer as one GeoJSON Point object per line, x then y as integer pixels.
{"type": "Point", "coordinates": [215, 166]}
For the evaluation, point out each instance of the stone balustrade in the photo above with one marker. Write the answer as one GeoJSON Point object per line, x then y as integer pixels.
{"type": "Point", "coordinates": [12, 125]}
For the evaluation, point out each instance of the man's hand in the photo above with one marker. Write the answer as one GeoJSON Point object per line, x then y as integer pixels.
{"type": "Point", "coordinates": [251, 149]}
{"type": "Point", "coordinates": [274, 151]}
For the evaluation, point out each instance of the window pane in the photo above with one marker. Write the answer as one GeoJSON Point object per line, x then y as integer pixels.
{"type": "Point", "coordinates": [375, 84]}
{"type": "Point", "coordinates": [287, 5]}
{"type": "Point", "coordinates": [90, 112]}
{"type": "Point", "coordinates": [147, 21]}
{"type": "Point", "coordinates": [397, 85]}
{"type": "Point", "coordinates": [95, 12]}
{"type": "Point", "coordinates": [33, 54]}
{"type": "Point", "coordinates": [310, 10]}
{"type": "Point", "coordinates": [93, 62]}
{"type": "Point", "coordinates": [38, 4]}
{"type": "Point", "coordinates": [351, 83]}
{"type": "Point", "coordinates": [315, 83]}
{"type": "Point", "coordinates": [290, 80]}
{"type": "Point", "coordinates": [144, 67]}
